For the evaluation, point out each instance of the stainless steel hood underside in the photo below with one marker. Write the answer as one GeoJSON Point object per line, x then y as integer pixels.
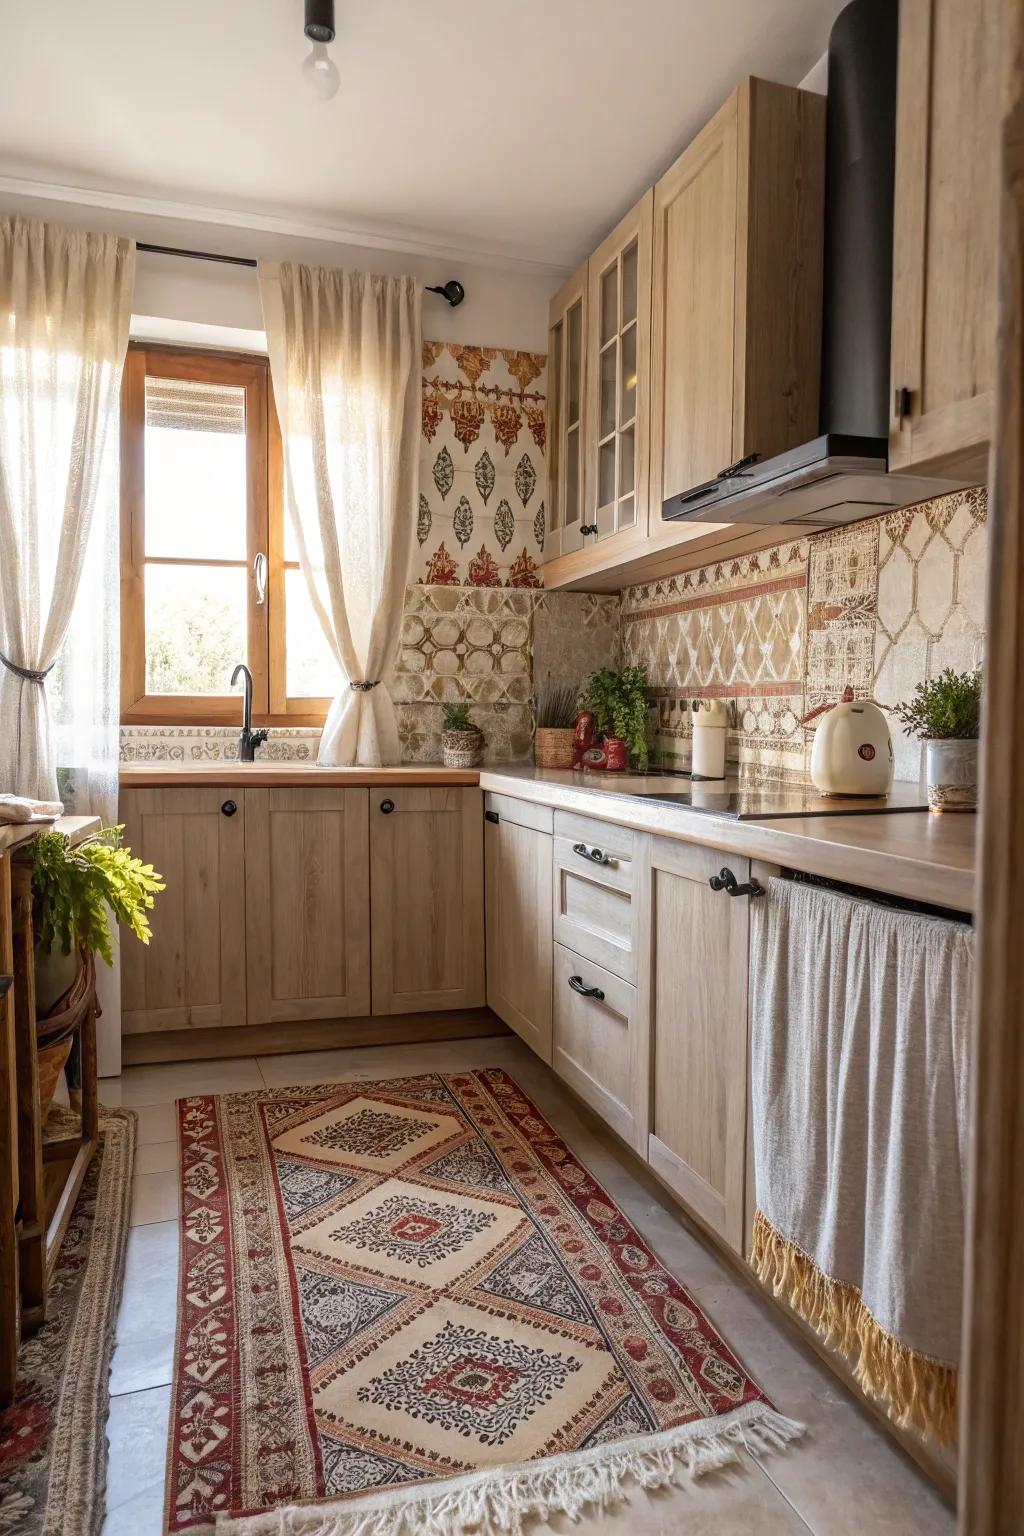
{"type": "Point", "coordinates": [833, 479]}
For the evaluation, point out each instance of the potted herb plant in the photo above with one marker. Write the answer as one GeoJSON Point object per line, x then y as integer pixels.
{"type": "Point", "coordinates": [619, 705]}
{"type": "Point", "coordinates": [945, 713]}
{"type": "Point", "coordinates": [76, 891]}
{"type": "Point", "coordinates": [554, 711]}
{"type": "Point", "coordinates": [462, 741]}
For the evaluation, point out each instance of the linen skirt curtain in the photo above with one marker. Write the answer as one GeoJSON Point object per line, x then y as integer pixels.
{"type": "Point", "coordinates": [65, 304]}
{"type": "Point", "coordinates": [345, 350]}
{"type": "Point", "coordinates": [859, 1048]}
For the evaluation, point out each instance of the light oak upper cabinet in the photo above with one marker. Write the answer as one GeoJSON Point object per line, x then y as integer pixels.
{"type": "Point", "coordinates": [694, 982]}
{"type": "Point", "coordinates": [567, 339]}
{"type": "Point", "coordinates": [307, 904]}
{"type": "Point", "coordinates": [426, 899]}
{"type": "Point", "coordinates": [944, 237]}
{"type": "Point", "coordinates": [737, 250]}
{"type": "Point", "coordinates": [618, 372]}
{"type": "Point", "coordinates": [192, 973]}
{"type": "Point", "coordinates": [517, 859]}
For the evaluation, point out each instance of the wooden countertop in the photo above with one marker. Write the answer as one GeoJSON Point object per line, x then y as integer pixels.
{"type": "Point", "coordinates": [907, 853]}
{"type": "Point", "coordinates": [14, 834]}
{"type": "Point", "coordinates": [283, 775]}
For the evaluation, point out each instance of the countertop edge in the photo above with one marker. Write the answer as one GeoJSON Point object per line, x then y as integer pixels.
{"type": "Point", "coordinates": [919, 878]}
{"type": "Point", "coordinates": [289, 775]}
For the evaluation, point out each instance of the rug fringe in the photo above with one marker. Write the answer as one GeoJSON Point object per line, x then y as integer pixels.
{"type": "Point", "coordinates": [496, 1503]}
{"type": "Point", "coordinates": [917, 1392]}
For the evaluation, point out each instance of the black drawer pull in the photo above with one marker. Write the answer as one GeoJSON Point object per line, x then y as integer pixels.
{"type": "Point", "coordinates": [492, 816]}
{"type": "Point", "coordinates": [726, 881]}
{"type": "Point", "coordinates": [579, 985]}
{"type": "Point", "coordinates": [229, 808]}
{"type": "Point", "coordinates": [386, 807]}
{"type": "Point", "coordinates": [595, 855]}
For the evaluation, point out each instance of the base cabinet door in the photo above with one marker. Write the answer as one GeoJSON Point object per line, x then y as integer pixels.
{"type": "Point", "coordinates": [697, 984]}
{"type": "Point", "coordinates": [307, 859]}
{"type": "Point", "coordinates": [192, 972]}
{"type": "Point", "coordinates": [599, 1043]}
{"type": "Point", "coordinates": [517, 860]}
{"type": "Point", "coordinates": [426, 899]}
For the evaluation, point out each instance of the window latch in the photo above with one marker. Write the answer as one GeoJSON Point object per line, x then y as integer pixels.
{"type": "Point", "coordinates": [259, 575]}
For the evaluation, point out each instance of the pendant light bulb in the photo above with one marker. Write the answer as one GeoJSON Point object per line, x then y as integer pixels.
{"type": "Point", "coordinates": [321, 73]}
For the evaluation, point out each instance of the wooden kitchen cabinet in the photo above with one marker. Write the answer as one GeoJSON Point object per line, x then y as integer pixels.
{"type": "Point", "coordinates": [426, 899]}
{"type": "Point", "coordinates": [307, 859]}
{"type": "Point", "coordinates": [192, 972]}
{"type": "Point", "coordinates": [567, 342]}
{"type": "Point", "coordinates": [944, 238]}
{"type": "Point", "coordinates": [692, 981]}
{"type": "Point", "coordinates": [737, 257]}
{"type": "Point", "coordinates": [517, 860]}
{"type": "Point", "coordinates": [618, 378]}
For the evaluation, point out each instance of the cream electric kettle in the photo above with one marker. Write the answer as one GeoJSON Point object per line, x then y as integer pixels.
{"type": "Point", "coordinates": [852, 750]}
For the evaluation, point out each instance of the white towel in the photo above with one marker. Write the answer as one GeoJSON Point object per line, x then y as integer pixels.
{"type": "Point", "coordinates": [859, 1043]}
{"type": "Point", "coordinates": [19, 809]}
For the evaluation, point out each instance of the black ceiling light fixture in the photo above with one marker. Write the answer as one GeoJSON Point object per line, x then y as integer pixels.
{"type": "Point", "coordinates": [319, 69]}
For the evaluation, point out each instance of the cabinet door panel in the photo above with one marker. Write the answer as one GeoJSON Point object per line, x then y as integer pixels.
{"type": "Point", "coordinates": [698, 999]}
{"type": "Point", "coordinates": [192, 973]}
{"type": "Point", "coordinates": [307, 860]}
{"type": "Point", "coordinates": [944, 257]}
{"type": "Point", "coordinates": [567, 380]}
{"type": "Point", "coordinates": [695, 266]}
{"type": "Point", "coordinates": [518, 866]}
{"type": "Point", "coordinates": [426, 899]}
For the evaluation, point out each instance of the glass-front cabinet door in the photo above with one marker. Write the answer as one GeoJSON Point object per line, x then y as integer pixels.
{"type": "Point", "coordinates": [567, 458]}
{"type": "Point", "coordinates": [619, 376]}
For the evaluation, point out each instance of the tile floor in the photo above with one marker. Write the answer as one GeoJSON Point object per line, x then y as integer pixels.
{"type": "Point", "coordinates": [846, 1478]}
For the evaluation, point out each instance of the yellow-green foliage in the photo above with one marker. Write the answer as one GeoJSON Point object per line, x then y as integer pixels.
{"type": "Point", "coordinates": [73, 888]}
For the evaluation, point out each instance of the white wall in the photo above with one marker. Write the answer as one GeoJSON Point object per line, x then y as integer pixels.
{"type": "Point", "coordinates": [505, 305]}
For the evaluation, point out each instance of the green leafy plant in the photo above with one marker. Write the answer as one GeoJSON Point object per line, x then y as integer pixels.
{"type": "Point", "coordinates": [456, 718]}
{"type": "Point", "coordinates": [948, 708]}
{"type": "Point", "coordinates": [74, 887]}
{"type": "Point", "coordinates": [619, 704]}
{"type": "Point", "coordinates": [555, 706]}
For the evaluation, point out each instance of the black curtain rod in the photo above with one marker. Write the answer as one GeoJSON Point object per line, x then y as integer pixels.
{"type": "Point", "coordinates": [452, 290]}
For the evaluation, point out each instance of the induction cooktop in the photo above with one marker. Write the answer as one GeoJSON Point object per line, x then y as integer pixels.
{"type": "Point", "coordinates": [725, 797]}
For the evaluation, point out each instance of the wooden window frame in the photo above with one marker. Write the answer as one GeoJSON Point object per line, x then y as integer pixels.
{"type": "Point", "coordinates": [265, 636]}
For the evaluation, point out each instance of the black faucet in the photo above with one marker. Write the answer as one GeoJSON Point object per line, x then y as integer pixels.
{"type": "Point", "coordinates": [249, 739]}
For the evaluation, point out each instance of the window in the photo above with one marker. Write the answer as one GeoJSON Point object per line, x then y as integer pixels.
{"type": "Point", "coordinates": [210, 576]}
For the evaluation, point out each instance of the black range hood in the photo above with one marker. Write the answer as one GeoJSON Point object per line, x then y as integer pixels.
{"type": "Point", "coordinates": [842, 474]}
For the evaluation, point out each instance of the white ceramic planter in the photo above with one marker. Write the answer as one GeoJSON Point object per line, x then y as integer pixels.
{"type": "Point", "coordinates": [952, 772]}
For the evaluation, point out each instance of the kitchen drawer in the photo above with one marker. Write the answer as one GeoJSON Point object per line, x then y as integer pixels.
{"type": "Point", "coordinates": [594, 910]}
{"type": "Point", "coordinates": [524, 813]}
{"type": "Point", "coordinates": [597, 1046]}
{"type": "Point", "coordinates": [616, 842]}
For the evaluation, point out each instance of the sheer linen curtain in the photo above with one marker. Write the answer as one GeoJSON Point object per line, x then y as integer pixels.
{"type": "Point", "coordinates": [65, 303]}
{"type": "Point", "coordinates": [345, 350]}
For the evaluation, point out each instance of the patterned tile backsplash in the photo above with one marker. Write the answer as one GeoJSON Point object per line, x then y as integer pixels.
{"type": "Point", "coordinates": [481, 510]}
{"type": "Point", "coordinates": [881, 605]}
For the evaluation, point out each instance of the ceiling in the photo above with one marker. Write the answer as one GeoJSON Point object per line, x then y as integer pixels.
{"type": "Point", "coordinates": [510, 131]}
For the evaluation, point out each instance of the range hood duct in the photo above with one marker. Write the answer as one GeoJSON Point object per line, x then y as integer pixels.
{"type": "Point", "coordinates": [842, 475]}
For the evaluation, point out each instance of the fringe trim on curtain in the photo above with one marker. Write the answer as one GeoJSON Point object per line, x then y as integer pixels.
{"type": "Point", "coordinates": [917, 1392]}
{"type": "Point", "coordinates": [496, 1502]}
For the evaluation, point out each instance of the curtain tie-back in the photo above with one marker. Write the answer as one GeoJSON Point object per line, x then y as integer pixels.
{"type": "Point", "coordinates": [28, 674]}
{"type": "Point", "coordinates": [364, 687]}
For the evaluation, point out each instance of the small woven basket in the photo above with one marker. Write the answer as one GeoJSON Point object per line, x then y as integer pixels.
{"type": "Point", "coordinates": [553, 746]}
{"type": "Point", "coordinates": [462, 749]}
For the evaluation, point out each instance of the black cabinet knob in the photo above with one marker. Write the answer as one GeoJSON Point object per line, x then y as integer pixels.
{"type": "Point", "coordinates": [229, 808]}
{"type": "Point", "coordinates": [386, 807]}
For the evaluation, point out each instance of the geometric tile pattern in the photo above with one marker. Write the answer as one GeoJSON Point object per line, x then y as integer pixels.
{"type": "Point", "coordinates": [880, 605]}
{"type": "Point", "coordinates": [454, 1292]}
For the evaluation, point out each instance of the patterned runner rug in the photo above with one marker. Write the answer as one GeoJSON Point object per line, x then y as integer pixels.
{"type": "Point", "coordinates": [53, 1437]}
{"type": "Point", "coordinates": [406, 1306]}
